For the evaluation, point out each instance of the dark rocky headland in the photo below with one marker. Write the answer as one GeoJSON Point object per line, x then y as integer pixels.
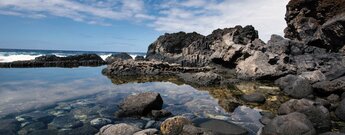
{"type": "Point", "coordinates": [308, 66]}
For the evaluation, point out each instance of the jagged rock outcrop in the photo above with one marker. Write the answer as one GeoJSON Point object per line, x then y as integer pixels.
{"type": "Point", "coordinates": [223, 46]}
{"type": "Point", "coordinates": [55, 61]}
{"type": "Point", "coordinates": [317, 22]}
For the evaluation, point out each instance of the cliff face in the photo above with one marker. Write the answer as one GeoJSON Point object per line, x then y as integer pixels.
{"type": "Point", "coordinates": [317, 23]}
{"type": "Point", "coordinates": [191, 49]}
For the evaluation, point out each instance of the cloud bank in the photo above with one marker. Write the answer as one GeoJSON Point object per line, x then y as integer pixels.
{"type": "Point", "coordinates": [202, 16]}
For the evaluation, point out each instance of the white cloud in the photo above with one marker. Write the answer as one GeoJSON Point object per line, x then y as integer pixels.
{"type": "Point", "coordinates": [202, 16]}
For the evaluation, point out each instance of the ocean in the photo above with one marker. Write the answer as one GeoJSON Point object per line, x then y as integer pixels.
{"type": "Point", "coordinates": [9, 55]}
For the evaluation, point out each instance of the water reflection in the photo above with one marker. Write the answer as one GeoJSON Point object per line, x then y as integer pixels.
{"type": "Point", "coordinates": [84, 94]}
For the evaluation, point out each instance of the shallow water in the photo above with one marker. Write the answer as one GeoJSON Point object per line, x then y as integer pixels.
{"type": "Point", "coordinates": [86, 94]}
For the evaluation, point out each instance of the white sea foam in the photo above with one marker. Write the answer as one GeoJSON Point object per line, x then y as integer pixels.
{"type": "Point", "coordinates": [104, 56]}
{"type": "Point", "coordinates": [18, 57]}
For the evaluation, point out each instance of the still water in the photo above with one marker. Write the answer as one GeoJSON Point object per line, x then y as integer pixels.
{"type": "Point", "coordinates": [85, 94]}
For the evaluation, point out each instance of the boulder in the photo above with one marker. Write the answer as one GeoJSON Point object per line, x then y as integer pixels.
{"type": "Point", "coordinates": [254, 97]}
{"type": "Point", "coordinates": [140, 104]}
{"type": "Point", "coordinates": [340, 111]}
{"type": "Point", "coordinates": [220, 127]}
{"type": "Point", "coordinates": [313, 76]}
{"type": "Point", "coordinates": [202, 78]}
{"type": "Point", "coordinates": [317, 114]}
{"type": "Point", "coordinates": [259, 66]}
{"type": "Point", "coordinates": [295, 86]}
{"type": "Point", "coordinates": [291, 124]}
{"type": "Point", "coordinates": [121, 56]}
{"type": "Point", "coordinates": [118, 129]}
{"type": "Point", "coordinates": [174, 125]}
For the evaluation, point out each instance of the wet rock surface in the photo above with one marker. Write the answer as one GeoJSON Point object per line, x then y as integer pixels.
{"type": "Point", "coordinates": [140, 104]}
{"type": "Point", "coordinates": [220, 127]}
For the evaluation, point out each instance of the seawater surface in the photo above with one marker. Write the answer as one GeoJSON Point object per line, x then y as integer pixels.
{"type": "Point", "coordinates": [86, 94]}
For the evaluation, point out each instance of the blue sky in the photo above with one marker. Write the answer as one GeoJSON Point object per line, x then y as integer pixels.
{"type": "Point", "coordinates": [126, 25]}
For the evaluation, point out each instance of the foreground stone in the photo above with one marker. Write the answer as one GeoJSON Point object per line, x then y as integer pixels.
{"type": "Point", "coordinates": [317, 114]}
{"type": "Point", "coordinates": [54, 61]}
{"type": "Point", "coordinates": [292, 124]}
{"type": "Point", "coordinates": [295, 86]}
{"type": "Point", "coordinates": [174, 125]}
{"type": "Point", "coordinates": [254, 98]}
{"type": "Point", "coordinates": [340, 111]}
{"type": "Point", "coordinates": [118, 129]}
{"type": "Point", "coordinates": [220, 127]}
{"type": "Point", "coordinates": [140, 104]}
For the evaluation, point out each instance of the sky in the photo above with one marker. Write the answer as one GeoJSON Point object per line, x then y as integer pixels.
{"type": "Point", "coordinates": [127, 25]}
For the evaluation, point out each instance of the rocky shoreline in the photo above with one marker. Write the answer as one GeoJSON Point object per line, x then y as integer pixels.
{"type": "Point", "coordinates": [308, 66]}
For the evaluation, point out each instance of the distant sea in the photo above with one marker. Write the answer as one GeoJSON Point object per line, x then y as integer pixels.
{"type": "Point", "coordinates": [9, 55]}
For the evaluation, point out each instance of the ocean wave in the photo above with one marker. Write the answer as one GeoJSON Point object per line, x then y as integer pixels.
{"type": "Point", "coordinates": [18, 57]}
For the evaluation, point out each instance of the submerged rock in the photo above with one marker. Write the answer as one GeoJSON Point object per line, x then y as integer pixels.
{"type": "Point", "coordinates": [66, 121]}
{"type": "Point", "coordinates": [254, 97]}
{"type": "Point", "coordinates": [140, 104]}
{"type": "Point", "coordinates": [9, 126]}
{"type": "Point", "coordinates": [291, 124]}
{"type": "Point", "coordinates": [100, 122]}
{"type": "Point", "coordinates": [220, 126]}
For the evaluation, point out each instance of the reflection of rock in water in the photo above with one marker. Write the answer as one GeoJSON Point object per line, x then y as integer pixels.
{"type": "Point", "coordinates": [144, 78]}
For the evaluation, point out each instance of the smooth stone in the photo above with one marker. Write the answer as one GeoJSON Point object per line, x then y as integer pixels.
{"type": "Point", "coordinates": [292, 124]}
{"type": "Point", "coordinates": [66, 121]}
{"type": "Point", "coordinates": [340, 111]}
{"type": "Point", "coordinates": [254, 98]}
{"type": "Point", "coordinates": [174, 125]}
{"type": "Point", "coordinates": [220, 126]}
{"type": "Point", "coordinates": [100, 122]}
{"type": "Point", "coordinates": [150, 131]}
{"type": "Point", "coordinates": [150, 124]}
{"type": "Point", "coordinates": [317, 114]}
{"type": "Point", "coordinates": [118, 129]}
